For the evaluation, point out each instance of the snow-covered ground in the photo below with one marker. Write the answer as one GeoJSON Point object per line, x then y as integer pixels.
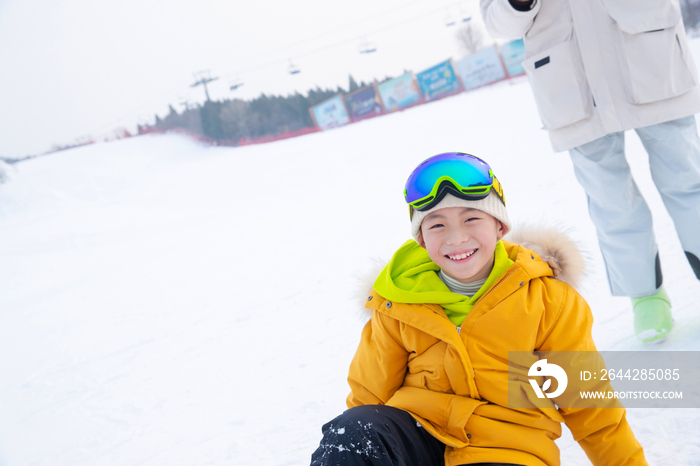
{"type": "Point", "coordinates": [163, 302]}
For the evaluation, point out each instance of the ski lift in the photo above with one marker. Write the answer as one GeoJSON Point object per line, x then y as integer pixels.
{"type": "Point", "coordinates": [449, 20]}
{"type": "Point", "coordinates": [184, 101]}
{"type": "Point", "coordinates": [464, 15]}
{"type": "Point", "coordinates": [293, 69]}
{"type": "Point", "coordinates": [367, 47]}
{"type": "Point", "coordinates": [236, 83]}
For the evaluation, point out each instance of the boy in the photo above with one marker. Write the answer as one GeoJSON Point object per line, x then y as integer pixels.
{"type": "Point", "coordinates": [430, 377]}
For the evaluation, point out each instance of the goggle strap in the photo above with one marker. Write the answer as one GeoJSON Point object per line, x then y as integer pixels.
{"type": "Point", "coordinates": [445, 188]}
{"type": "Point", "coordinates": [498, 190]}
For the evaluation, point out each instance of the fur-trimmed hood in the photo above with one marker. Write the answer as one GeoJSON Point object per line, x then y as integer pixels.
{"type": "Point", "coordinates": [550, 245]}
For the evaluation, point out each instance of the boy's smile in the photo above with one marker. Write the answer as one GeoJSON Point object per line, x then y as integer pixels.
{"type": "Point", "coordinates": [461, 256]}
{"type": "Point", "coordinates": [461, 241]}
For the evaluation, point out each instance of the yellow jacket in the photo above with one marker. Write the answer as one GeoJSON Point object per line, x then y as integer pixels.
{"type": "Point", "coordinates": [455, 381]}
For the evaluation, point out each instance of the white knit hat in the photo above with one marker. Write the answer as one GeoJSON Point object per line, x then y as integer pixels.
{"type": "Point", "coordinates": [491, 204]}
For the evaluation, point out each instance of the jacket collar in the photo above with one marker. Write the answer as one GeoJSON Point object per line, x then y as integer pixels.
{"type": "Point", "coordinates": [538, 245]}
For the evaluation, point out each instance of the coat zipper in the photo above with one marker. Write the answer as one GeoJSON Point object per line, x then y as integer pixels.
{"type": "Point", "coordinates": [472, 385]}
{"type": "Point", "coordinates": [498, 283]}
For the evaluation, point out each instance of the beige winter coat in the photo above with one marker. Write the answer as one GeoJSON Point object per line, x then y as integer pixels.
{"type": "Point", "coordinates": [601, 66]}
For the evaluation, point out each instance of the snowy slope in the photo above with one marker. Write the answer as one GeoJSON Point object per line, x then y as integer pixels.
{"type": "Point", "coordinates": [168, 303]}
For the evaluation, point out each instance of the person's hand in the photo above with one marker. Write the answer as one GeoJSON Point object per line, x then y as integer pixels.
{"type": "Point", "coordinates": [554, 265]}
{"type": "Point", "coordinates": [545, 256]}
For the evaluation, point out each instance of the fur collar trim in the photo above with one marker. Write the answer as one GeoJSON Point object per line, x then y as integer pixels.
{"type": "Point", "coordinates": [548, 243]}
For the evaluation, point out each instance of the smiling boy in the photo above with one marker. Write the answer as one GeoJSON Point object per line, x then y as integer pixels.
{"type": "Point", "coordinates": [429, 379]}
{"type": "Point", "coordinates": [461, 241]}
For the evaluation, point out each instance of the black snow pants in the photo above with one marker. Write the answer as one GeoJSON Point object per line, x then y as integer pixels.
{"type": "Point", "coordinates": [379, 435]}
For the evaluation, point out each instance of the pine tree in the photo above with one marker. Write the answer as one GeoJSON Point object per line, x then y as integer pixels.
{"type": "Point", "coordinates": [352, 86]}
{"type": "Point", "coordinates": [211, 119]}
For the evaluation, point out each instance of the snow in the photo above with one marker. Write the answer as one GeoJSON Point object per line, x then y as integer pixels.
{"type": "Point", "coordinates": [651, 333]}
{"type": "Point", "coordinates": [164, 302]}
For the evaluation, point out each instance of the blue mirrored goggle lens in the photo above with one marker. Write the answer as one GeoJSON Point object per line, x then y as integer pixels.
{"type": "Point", "coordinates": [466, 170]}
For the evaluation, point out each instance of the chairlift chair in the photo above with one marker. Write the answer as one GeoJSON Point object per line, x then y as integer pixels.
{"type": "Point", "coordinates": [293, 69]}
{"type": "Point", "coordinates": [449, 20]}
{"type": "Point", "coordinates": [464, 14]}
{"type": "Point", "coordinates": [367, 47]}
{"type": "Point", "coordinates": [236, 83]}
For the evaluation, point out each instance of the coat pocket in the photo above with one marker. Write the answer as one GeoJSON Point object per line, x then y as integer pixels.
{"type": "Point", "coordinates": [655, 65]}
{"type": "Point", "coordinates": [634, 16]}
{"type": "Point", "coordinates": [444, 415]}
{"type": "Point", "coordinates": [559, 85]}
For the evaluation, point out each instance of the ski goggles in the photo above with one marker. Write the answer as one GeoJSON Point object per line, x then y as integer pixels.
{"type": "Point", "coordinates": [462, 175]}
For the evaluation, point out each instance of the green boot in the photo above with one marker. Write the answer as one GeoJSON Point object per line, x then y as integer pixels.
{"type": "Point", "coordinates": [652, 316]}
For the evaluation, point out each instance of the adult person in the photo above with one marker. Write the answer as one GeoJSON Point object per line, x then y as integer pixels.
{"type": "Point", "coordinates": [598, 68]}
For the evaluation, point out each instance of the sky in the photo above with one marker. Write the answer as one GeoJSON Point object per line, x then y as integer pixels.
{"type": "Point", "coordinates": [77, 69]}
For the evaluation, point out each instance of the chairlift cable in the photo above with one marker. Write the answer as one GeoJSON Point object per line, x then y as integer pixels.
{"type": "Point", "coordinates": [344, 41]}
{"type": "Point", "coordinates": [345, 26]}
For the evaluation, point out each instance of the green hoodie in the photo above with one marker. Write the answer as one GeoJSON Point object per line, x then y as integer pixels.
{"type": "Point", "coordinates": [411, 277]}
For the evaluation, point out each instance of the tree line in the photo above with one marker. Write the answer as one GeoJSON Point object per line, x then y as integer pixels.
{"type": "Point", "coordinates": [236, 119]}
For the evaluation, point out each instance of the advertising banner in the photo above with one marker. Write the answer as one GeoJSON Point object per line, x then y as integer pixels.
{"type": "Point", "coordinates": [481, 68]}
{"type": "Point", "coordinates": [439, 81]}
{"type": "Point", "coordinates": [330, 114]}
{"type": "Point", "coordinates": [364, 103]}
{"type": "Point", "coordinates": [513, 54]}
{"type": "Point", "coordinates": [399, 93]}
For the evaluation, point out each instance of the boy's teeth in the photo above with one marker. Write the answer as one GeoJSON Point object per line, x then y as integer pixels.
{"type": "Point", "coordinates": [462, 256]}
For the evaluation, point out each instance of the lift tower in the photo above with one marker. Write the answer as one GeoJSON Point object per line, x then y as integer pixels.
{"type": "Point", "coordinates": [202, 78]}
